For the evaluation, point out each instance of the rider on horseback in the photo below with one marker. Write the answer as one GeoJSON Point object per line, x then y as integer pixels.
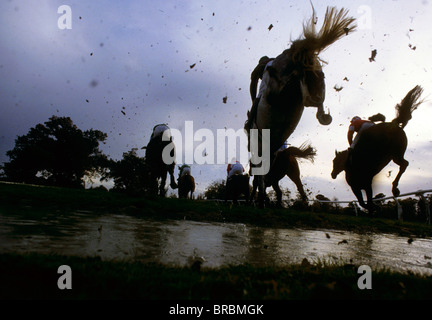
{"type": "Point", "coordinates": [256, 74]}
{"type": "Point", "coordinates": [234, 168]}
{"type": "Point", "coordinates": [158, 130]}
{"type": "Point", "coordinates": [184, 170]}
{"type": "Point", "coordinates": [357, 125]}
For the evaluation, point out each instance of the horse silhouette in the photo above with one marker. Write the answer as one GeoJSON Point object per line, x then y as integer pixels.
{"type": "Point", "coordinates": [286, 164]}
{"type": "Point", "coordinates": [237, 185]}
{"type": "Point", "coordinates": [157, 166]}
{"type": "Point", "coordinates": [376, 147]}
{"type": "Point", "coordinates": [186, 183]}
{"type": "Point", "coordinates": [295, 80]}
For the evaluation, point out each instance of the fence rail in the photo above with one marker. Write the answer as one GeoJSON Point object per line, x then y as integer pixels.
{"type": "Point", "coordinates": [419, 193]}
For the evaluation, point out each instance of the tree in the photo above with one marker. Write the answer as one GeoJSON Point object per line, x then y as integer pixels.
{"type": "Point", "coordinates": [216, 190]}
{"type": "Point", "coordinates": [130, 174]}
{"type": "Point", "coordinates": [56, 153]}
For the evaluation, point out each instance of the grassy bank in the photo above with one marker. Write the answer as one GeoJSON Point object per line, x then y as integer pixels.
{"type": "Point", "coordinates": [34, 200]}
{"type": "Point", "coordinates": [35, 277]}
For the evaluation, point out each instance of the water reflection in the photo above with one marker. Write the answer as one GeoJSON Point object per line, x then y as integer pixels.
{"type": "Point", "coordinates": [125, 237]}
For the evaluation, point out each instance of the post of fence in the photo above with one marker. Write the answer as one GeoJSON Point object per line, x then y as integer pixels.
{"type": "Point", "coordinates": [399, 209]}
{"type": "Point", "coordinates": [355, 208]}
{"type": "Point", "coordinates": [426, 204]}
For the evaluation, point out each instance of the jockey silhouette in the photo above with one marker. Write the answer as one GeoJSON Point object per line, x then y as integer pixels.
{"type": "Point", "coordinates": [357, 125]}
{"type": "Point", "coordinates": [158, 130]}
{"type": "Point", "coordinates": [234, 168]}
{"type": "Point", "coordinates": [184, 170]}
{"type": "Point", "coordinates": [256, 74]}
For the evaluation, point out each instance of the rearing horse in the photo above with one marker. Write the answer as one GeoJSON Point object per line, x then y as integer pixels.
{"type": "Point", "coordinates": [295, 80]}
{"type": "Point", "coordinates": [376, 147]}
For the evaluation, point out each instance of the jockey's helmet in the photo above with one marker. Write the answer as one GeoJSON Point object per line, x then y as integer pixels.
{"type": "Point", "coordinates": [356, 118]}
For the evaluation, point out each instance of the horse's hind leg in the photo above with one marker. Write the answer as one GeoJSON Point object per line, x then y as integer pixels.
{"type": "Point", "coordinates": [162, 190]}
{"type": "Point", "coordinates": [173, 183]}
{"type": "Point", "coordinates": [359, 196]}
{"type": "Point", "coordinates": [293, 173]}
{"type": "Point", "coordinates": [278, 191]}
{"type": "Point", "coordinates": [403, 164]}
{"type": "Point", "coordinates": [371, 206]}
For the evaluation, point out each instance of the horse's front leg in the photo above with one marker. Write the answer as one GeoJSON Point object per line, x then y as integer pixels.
{"type": "Point", "coordinates": [323, 118]}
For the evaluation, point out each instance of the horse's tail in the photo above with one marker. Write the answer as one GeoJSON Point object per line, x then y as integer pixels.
{"type": "Point", "coordinates": [336, 24]}
{"type": "Point", "coordinates": [306, 151]}
{"type": "Point", "coordinates": [405, 108]}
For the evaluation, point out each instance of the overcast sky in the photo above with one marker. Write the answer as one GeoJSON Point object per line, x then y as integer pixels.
{"type": "Point", "coordinates": [125, 66]}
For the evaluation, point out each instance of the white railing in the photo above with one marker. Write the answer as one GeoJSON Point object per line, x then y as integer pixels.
{"type": "Point", "coordinates": [419, 193]}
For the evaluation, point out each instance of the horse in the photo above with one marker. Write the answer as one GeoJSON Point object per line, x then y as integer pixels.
{"type": "Point", "coordinates": [186, 183]}
{"type": "Point", "coordinates": [285, 163]}
{"type": "Point", "coordinates": [237, 185]}
{"type": "Point", "coordinates": [158, 167]}
{"type": "Point", "coordinates": [295, 80]}
{"type": "Point", "coordinates": [376, 147]}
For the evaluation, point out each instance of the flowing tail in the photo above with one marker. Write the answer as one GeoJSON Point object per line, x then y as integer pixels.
{"type": "Point", "coordinates": [306, 151]}
{"type": "Point", "coordinates": [408, 104]}
{"type": "Point", "coordinates": [336, 24]}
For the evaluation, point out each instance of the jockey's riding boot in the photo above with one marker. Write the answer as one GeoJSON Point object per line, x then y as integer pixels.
{"type": "Point", "coordinates": [251, 118]}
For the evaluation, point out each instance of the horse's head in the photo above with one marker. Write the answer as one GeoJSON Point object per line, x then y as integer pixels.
{"type": "Point", "coordinates": [339, 162]}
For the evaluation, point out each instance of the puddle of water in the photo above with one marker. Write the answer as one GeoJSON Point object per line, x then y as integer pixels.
{"type": "Point", "coordinates": [124, 237]}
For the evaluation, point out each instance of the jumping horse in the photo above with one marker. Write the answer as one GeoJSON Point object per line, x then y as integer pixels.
{"type": "Point", "coordinates": [157, 166]}
{"type": "Point", "coordinates": [376, 147]}
{"type": "Point", "coordinates": [286, 164]}
{"type": "Point", "coordinates": [295, 80]}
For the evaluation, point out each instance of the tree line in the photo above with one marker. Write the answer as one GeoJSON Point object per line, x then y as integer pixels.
{"type": "Point", "coordinates": [58, 153]}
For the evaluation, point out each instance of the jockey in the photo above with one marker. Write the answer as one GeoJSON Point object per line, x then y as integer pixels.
{"type": "Point", "coordinates": [159, 129]}
{"type": "Point", "coordinates": [234, 168]}
{"type": "Point", "coordinates": [257, 74]}
{"type": "Point", "coordinates": [357, 125]}
{"type": "Point", "coordinates": [184, 170]}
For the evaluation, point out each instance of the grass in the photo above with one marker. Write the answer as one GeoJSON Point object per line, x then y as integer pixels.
{"type": "Point", "coordinates": [34, 276]}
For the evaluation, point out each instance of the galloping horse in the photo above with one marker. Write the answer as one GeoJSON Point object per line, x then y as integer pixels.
{"type": "Point", "coordinates": [157, 166]}
{"type": "Point", "coordinates": [376, 147]}
{"type": "Point", "coordinates": [295, 80]}
{"type": "Point", "coordinates": [285, 163]}
{"type": "Point", "coordinates": [186, 182]}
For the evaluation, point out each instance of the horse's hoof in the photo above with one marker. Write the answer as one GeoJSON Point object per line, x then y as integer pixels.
{"type": "Point", "coordinates": [325, 119]}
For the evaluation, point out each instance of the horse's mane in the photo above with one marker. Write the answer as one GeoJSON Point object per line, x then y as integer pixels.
{"type": "Point", "coordinates": [335, 25]}
{"type": "Point", "coordinates": [408, 104]}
